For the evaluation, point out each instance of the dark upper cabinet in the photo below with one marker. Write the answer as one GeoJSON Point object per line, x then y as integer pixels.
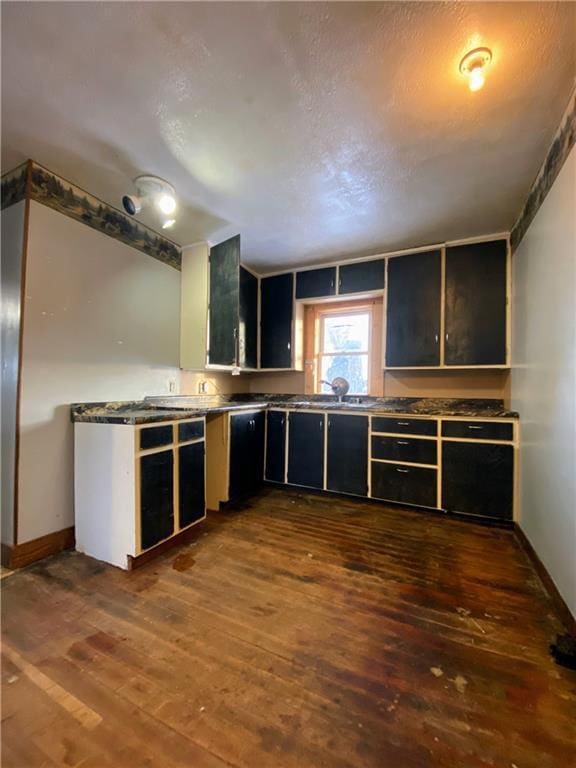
{"type": "Point", "coordinates": [276, 446]}
{"type": "Point", "coordinates": [156, 497]}
{"type": "Point", "coordinates": [248, 325]}
{"type": "Point", "coordinates": [347, 454]}
{"type": "Point", "coordinates": [246, 454]}
{"type": "Point", "coordinates": [306, 449]}
{"type": "Point", "coordinates": [475, 314]}
{"type": "Point", "coordinates": [192, 503]}
{"type": "Point", "coordinates": [276, 311]}
{"type": "Point", "coordinates": [413, 310]}
{"type": "Point", "coordinates": [478, 479]}
{"type": "Point", "coordinates": [313, 283]}
{"type": "Point", "coordinates": [224, 302]}
{"type": "Point", "coordinates": [361, 277]}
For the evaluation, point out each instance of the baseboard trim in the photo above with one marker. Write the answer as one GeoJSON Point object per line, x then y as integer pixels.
{"type": "Point", "coordinates": [30, 551]}
{"type": "Point", "coordinates": [560, 606]}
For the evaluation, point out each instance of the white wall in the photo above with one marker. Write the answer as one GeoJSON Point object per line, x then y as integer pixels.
{"type": "Point", "coordinates": [101, 322]}
{"type": "Point", "coordinates": [544, 380]}
{"type": "Point", "coordinates": [12, 246]}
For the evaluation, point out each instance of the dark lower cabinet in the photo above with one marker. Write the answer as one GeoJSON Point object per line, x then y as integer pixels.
{"type": "Point", "coordinates": [224, 302]}
{"type": "Point", "coordinates": [276, 309]}
{"type": "Point", "coordinates": [400, 448]}
{"type": "Point", "coordinates": [347, 454]}
{"type": "Point", "coordinates": [475, 320]}
{"type": "Point", "coordinates": [276, 446]}
{"type": "Point", "coordinates": [192, 501]}
{"type": "Point", "coordinates": [306, 449]}
{"type": "Point", "coordinates": [246, 454]}
{"type": "Point", "coordinates": [403, 484]}
{"type": "Point", "coordinates": [248, 320]}
{"type": "Point", "coordinates": [156, 497]}
{"type": "Point", "coordinates": [478, 479]}
{"type": "Point", "coordinates": [413, 310]}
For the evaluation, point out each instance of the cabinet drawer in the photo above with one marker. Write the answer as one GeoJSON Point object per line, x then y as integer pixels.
{"type": "Point", "coordinates": [154, 437]}
{"type": "Point", "coordinates": [404, 449]}
{"type": "Point", "coordinates": [402, 426]}
{"type": "Point", "coordinates": [190, 430]}
{"type": "Point", "coordinates": [408, 485]}
{"type": "Point", "coordinates": [478, 430]}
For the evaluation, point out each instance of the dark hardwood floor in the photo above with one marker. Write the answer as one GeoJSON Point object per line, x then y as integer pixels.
{"type": "Point", "coordinates": [300, 631]}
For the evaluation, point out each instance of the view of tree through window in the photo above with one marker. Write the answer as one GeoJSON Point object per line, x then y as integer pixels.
{"type": "Point", "coordinates": [345, 341]}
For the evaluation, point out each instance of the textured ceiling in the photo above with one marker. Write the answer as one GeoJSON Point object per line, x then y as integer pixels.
{"type": "Point", "coordinates": [318, 131]}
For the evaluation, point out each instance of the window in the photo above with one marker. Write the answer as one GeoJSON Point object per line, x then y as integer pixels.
{"type": "Point", "coordinates": [344, 349]}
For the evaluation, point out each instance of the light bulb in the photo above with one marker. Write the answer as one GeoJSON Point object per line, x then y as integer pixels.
{"type": "Point", "coordinates": [476, 79]}
{"type": "Point", "coordinates": [168, 223]}
{"type": "Point", "coordinates": [167, 204]}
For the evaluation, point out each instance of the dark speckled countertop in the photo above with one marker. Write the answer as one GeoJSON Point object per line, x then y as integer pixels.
{"type": "Point", "coordinates": [173, 407]}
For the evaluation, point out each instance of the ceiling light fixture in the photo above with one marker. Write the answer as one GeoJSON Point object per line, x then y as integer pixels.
{"type": "Point", "coordinates": [152, 190]}
{"type": "Point", "coordinates": [473, 66]}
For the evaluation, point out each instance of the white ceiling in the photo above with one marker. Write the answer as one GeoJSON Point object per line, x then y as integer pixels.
{"type": "Point", "coordinates": [316, 130]}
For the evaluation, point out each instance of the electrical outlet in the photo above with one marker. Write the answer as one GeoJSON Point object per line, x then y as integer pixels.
{"type": "Point", "coordinates": [202, 387]}
{"type": "Point", "coordinates": [171, 385]}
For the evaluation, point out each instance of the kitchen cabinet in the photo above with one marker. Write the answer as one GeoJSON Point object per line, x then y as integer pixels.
{"type": "Point", "coordinates": [246, 454]}
{"type": "Point", "coordinates": [413, 310]}
{"type": "Point", "coordinates": [316, 283]}
{"type": "Point", "coordinates": [276, 321]}
{"type": "Point", "coordinates": [136, 486]}
{"type": "Point", "coordinates": [224, 302]}
{"type": "Point", "coordinates": [276, 446]}
{"type": "Point", "coordinates": [404, 484]}
{"type": "Point", "coordinates": [156, 497]}
{"type": "Point", "coordinates": [476, 304]}
{"type": "Point", "coordinates": [248, 320]}
{"type": "Point", "coordinates": [347, 454]}
{"type": "Point", "coordinates": [361, 277]}
{"type": "Point", "coordinates": [478, 478]}
{"type": "Point", "coordinates": [191, 483]}
{"type": "Point", "coordinates": [306, 449]}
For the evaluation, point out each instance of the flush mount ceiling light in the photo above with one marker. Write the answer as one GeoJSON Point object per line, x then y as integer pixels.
{"type": "Point", "coordinates": [473, 66]}
{"type": "Point", "coordinates": [152, 190]}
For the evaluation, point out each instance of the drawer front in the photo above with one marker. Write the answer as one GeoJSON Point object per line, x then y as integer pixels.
{"type": "Point", "coordinates": [407, 485]}
{"type": "Point", "coordinates": [404, 426]}
{"type": "Point", "coordinates": [154, 437]}
{"type": "Point", "coordinates": [404, 449]}
{"type": "Point", "coordinates": [478, 430]}
{"type": "Point", "coordinates": [190, 430]}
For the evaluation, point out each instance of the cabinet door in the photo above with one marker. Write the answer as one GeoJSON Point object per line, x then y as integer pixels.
{"type": "Point", "coordinates": [312, 283]}
{"type": "Point", "coordinates": [276, 309]}
{"type": "Point", "coordinates": [192, 502]}
{"type": "Point", "coordinates": [276, 446]}
{"type": "Point", "coordinates": [413, 310]}
{"type": "Point", "coordinates": [347, 470]}
{"type": "Point", "coordinates": [478, 479]}
{"type": "Point", "coordinates": [476, 277]}
{"type": "Point", "coordinates": [248, 327]}
{"type": "Point", "coordinates": [364, 276]}
{"type": "Point", "coordinates": [306, 449]}
{"type": "Point", "coordinates": [156, 497]}
{"type": "Point", "coordinates": [224, 302]}
{"type": "Point", "coordinates": [246, 454]}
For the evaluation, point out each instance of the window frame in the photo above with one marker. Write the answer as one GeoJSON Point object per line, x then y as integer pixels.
{"type": "Point", "coordinates": [339, 311]}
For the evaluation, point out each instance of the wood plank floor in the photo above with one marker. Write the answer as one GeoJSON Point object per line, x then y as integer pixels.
{"type": "Point", "coordinates": [299, 631]}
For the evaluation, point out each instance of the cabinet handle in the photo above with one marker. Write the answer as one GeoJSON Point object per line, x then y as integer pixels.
{"type": "Point", "coordinates": [405, 471]}
{"type": "Point", "coordinates": [403, 442]}
{"type": "Point", "coordinates": [403, 423]}
{"type": "Point", "coordinates": [288, 345]}
{"type": "Point", "coordinates": [447, 336]}
{"type": "Point", "coordinates": [339, 282]}
{"type": "Point", "coordinates": [474, 426]}
{"type": "Point", "coordinates": [321, 424]}
{"type": "Point", "coordinates": [436, 337]}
